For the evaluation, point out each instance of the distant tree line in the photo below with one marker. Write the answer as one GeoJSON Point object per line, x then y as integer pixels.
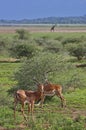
{"type": "Point", "coordinates": [48, 20]}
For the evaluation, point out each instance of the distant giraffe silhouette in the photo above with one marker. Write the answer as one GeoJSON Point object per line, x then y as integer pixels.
{"type": "Point", "coordinates": [52, 28]}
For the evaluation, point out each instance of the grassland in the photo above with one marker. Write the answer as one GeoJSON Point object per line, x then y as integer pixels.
{"type": "Point", "coordinates": [51, 116]}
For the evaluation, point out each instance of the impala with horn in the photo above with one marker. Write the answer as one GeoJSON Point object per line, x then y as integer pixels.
{"type": "Point", "coordinates": [51, 90]}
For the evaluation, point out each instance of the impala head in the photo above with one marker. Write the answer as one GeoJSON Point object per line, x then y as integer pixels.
{"type": "Point", "coordinates": [39, 85]}
{"type": "Point", "coordinates": [41, 88]}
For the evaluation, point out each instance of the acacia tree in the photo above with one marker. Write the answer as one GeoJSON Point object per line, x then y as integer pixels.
{"type": "Point", "coordinates": [41, 66]}
{"type": "Point", "coordinates": [45, 65]}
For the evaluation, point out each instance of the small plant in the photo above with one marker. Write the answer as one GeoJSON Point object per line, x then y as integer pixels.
{"type": "Point", "coordinates": [22, 34]}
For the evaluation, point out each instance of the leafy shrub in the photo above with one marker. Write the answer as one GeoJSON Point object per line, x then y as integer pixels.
{"type": "Point", "coordinates": [22, 34]}
{"type": "Point", "coordinates": [51, 66]}
{"type": "Point", "coordinates": [4, 44]}
{"type": "Point", "coordinates": [40, 66]}
{"type": "Point", "coordinates": [71, 40]}
{"type": "Point", "coordinates": [77, 50]}
{"type": "Point", "coordinates": [41, 41]}
{"type": "Point", "coordinates": [19, 50]}
{"type": "Point", "coordinates": [53, 46]}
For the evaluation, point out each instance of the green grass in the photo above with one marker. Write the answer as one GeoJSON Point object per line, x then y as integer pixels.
{"type": "Point", "coordinates": [78, 99]}
{"type": "Point", "coordinates": [6, 73]}
{"type": "Point", "coordinates": [51, 116]}
{"type": "Point", "coordinates": [56, 35]}
{"type": "Point", "coordinates": [49, 35]}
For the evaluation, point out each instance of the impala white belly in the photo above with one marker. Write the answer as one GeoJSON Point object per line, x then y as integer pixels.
{"type": "Point", "coordinates": [26, 101]}
{"type": "Point", "coordinates": [49, 93]}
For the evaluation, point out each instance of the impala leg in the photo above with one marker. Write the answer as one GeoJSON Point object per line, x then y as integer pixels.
{"type": "Point", "coordinates": [42, 100]}
{"type": "Point", "coordinates": [29, 108]}
{"type": "Point", "coordinates": [32, 108]}
{"type": "Point", "coordinates": [15, 110]}
{"type": "Point", "coordinates": [63, 101]}
{"type": "Point", "coordinates": [15, 105]}
{"type": "Point", "coordinates": [22, 110]}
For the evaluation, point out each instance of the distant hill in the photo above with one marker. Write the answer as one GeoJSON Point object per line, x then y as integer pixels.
{"type": "Point", "coordinates": [48, 20]}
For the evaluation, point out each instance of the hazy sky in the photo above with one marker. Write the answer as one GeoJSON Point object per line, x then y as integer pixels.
{"type": "Point", "coordinates": [29, 9]}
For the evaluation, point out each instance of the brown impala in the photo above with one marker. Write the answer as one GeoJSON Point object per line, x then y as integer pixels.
{"type": "Point", "coordinates": [30, 97]}
{"type": "Point", "coordinates": [51, 90]}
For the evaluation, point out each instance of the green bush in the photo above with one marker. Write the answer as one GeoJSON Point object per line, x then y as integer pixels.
{"type": "Point", "coordinates": [72, 40]}
{"type": "Point", "coordinates": [77, 50]}
{"type": "Point", "coordinates": [22, 34]}
{"type": "Point", "coordinates": [51, 66]}
{"type": "Point", "coordinates": [53, 46]}
{"type": "Point", "coordinates": [41, 66]}
{"type": "Point", "coordinates": [41, 41]}
{"type": "Point", "coordinates": [4, 45]}
{"type": "Point", "coordinates": [19, 50]}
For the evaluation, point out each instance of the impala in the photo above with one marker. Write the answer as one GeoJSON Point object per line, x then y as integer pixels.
{"type": "Point", "coordinates": [51, 90]}
{"type": "Point", "coordinates": [30, 97]}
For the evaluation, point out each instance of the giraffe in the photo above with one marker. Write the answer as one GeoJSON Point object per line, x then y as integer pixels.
{"type": "Point", "coordinates": [52, 28]}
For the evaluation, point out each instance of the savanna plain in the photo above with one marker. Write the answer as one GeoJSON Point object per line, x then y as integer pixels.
{"type": "Point", "coordinates": [61, 57]}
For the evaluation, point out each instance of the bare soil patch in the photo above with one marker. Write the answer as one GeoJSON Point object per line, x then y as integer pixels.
{"type": "Point", "coordinates": [12, 29]}
{"type": "Point", "coordinates": [9, 60]}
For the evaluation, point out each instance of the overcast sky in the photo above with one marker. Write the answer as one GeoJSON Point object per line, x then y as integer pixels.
{"type": "Point", "coordinates": [30, 9]}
